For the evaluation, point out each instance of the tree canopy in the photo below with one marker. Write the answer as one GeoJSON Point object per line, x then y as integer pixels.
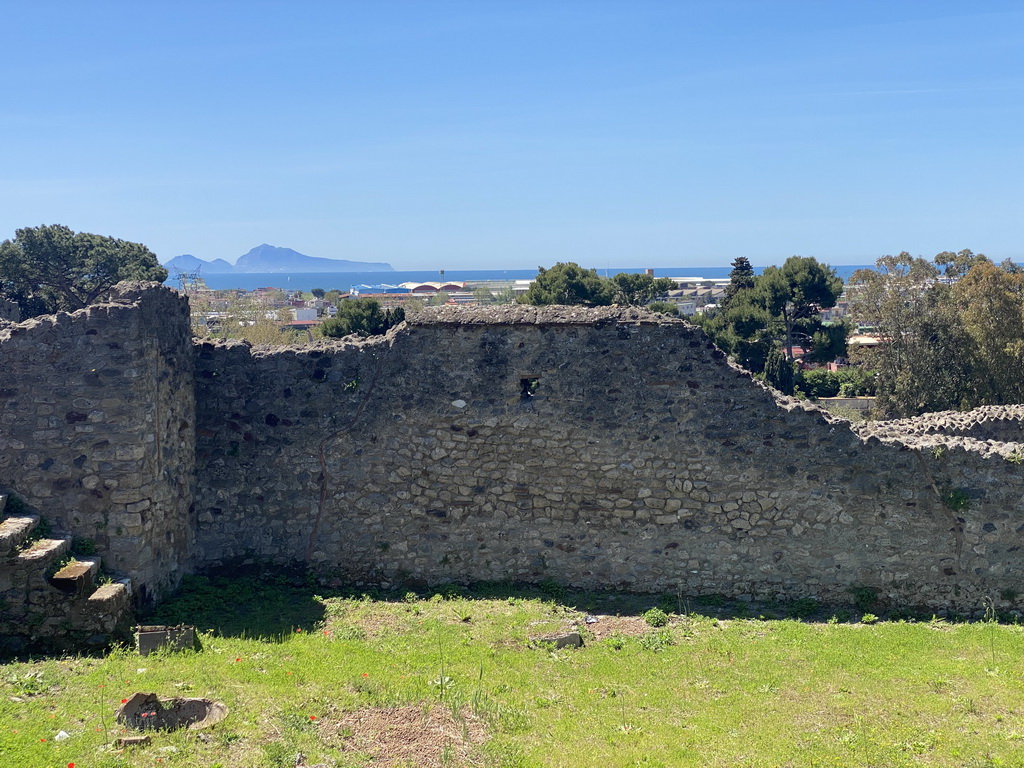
{"type": "Point", "coordinates": [51, 268]}
{"type": "Point", "coordinates": [741, 278]}
{"type": "Point", "coordinates": [950, 338]}
{"type": "Point", "coordinates": [363, 317]}
{"type": "Point", "coordinates": [569, 283]}
{"type": "Point", "coordinates": [638, 290]}
{"type": "Point", "coordinates": [765, 316]}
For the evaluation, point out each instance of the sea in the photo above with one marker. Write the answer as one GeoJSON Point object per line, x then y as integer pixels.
{"type": "Point", "coordinates": [346, 281]}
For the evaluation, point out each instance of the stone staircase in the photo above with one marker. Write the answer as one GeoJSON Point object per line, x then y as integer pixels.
{"type": "Point", "coordinates": [47, 604]}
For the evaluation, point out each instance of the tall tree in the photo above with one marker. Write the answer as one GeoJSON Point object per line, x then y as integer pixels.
{"type": "Point", "coordinates": [52, 268]}
{"type": "Point", "coordinates": [569, 283]}
{"type": "Point", "coordinates": [956, 265]}
{"type": "Point", "coordinates": [637, 290]}
{"type": "Point", "coordinates": [781, 306]}
{"type": "Point", "coordinates": [923, 361]}
{"type": "Point", "coordinates": [991, 304]}
{"type": "Point", "coordinates": [780, 372]}
{"type": "Point", "coordinates": [741, 278]}
{"type": "Point", "coordinates": [796, 293]}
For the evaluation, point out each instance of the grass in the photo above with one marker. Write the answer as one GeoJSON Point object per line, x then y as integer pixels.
{"type": "Point", "coordinates": [305, 670]}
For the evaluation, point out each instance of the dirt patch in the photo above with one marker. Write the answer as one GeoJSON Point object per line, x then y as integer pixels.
{"type": "Point", "coordinates": [367, 621]}
{"type": "Point", "coordinates": [414, 735]}
{"type": "Point", "coordinates": [606, 626]}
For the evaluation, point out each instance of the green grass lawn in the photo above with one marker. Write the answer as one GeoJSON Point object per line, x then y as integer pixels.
{"type": "Point", "coordinates": [453, 679]}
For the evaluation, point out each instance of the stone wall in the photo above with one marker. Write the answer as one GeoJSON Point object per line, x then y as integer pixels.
{"type": "Point", "coordinates": [9, 310]}
{"type": "Point", "coordinates": [597, 448]}
{"type": "Point", "coordinates": [592, 447]}
{"type": "Point", "coordinates": [992, 423]}
{"type": "Point", "coordinates": [97, 428]}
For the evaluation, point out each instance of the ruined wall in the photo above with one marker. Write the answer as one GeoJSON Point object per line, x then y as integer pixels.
{"type": "Point", "coordinates": [592, 447]}
{"type": "Point", "coordinates": [9, 310]}
{"type": "Point", "coordinates": [990, 423]}
{"type": "Point", "coordinates": [97, 428]}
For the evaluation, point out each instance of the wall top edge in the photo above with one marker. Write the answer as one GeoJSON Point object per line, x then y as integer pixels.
{"type": "Point", "coordinates": [521, 314]}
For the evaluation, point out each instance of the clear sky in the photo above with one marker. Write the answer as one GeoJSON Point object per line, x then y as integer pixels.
{"type": "Point", "coordinates": [499, 134]}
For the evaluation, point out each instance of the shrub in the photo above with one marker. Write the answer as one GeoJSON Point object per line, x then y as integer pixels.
{"type": "Point", "coordinates": [363, 317]}
{"type": "Point", "coordinates": [656, 617]}
{"type": "Point", "coordinates": [819, 383]}
{"type": "Point", "coordinates": [664, 308]}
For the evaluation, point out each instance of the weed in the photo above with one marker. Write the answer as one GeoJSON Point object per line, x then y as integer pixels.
{"type": "Point", "coordinates": [956, 499]}
{"type": "Point", "coordinates": [939, 452]}
{"type": "Point", "coordinates": [656, 617]}
{"type": "Point", "coordinates": [83, 546]}
{"type": "Point", "coordinates": [443, 682]}
{"type": "Point", "coordinates": [1017, 457]}
{"type": "Point", "coordinates": [991, 619]}
{"type": "Point", "coordinates": [667, 603]}
{"type": "Point", "coordinates": [966, 705]}
{"type": "Point", "coordinates": [869, 618]}
{"type": "Point", "coordinates": [30, 684]}
{"type": "Point", "coordinates": [552, 589]}
{"type": "Point", "coordinates": [349, 632]}
{"type": "Point", "coordinates": [803, 608]}
{"type": "Point", "coordinates": [478, 692]}
{"type": "Point", "coordinates": [711, 601]}
{"type": "Point", "coordinates": [453, 591]}
{"type": "Point", "coordinates": [864, 598]}
{"type": "Point", "coordinates": [657, 641]}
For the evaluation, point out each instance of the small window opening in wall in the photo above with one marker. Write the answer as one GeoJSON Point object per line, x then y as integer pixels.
{"type": "Point", "coordinates": [528, 386]}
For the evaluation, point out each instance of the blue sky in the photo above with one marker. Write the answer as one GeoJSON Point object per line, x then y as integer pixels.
{"type": "Point", "coordinates": [499, 135]}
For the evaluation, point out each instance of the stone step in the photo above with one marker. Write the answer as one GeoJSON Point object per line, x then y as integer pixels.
{"type": "Point", "coordinates": [111, 599]}
{"type": "Point", "coordinates": [77, 577]}
{"type": "Point", "coordinates": [44, 552]}
{"type": "Point", "coordinates": [106, 613]}
{"type": "Point", "coordinates": [111, 591]}
{"type": "Point", "coordinates": [14, 530]}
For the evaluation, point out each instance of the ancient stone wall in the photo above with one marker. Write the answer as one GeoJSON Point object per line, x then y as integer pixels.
{"type": "Point", "coordinates": [991, 423]}
{"type": "Point", "coordinates": [97, 428]}
{"type": "Point", "coordinates": [9, 310]}
{"type": "Point", "coordinates": [597, 448]}
{"type": "Point", "coordinates": [592, 447]}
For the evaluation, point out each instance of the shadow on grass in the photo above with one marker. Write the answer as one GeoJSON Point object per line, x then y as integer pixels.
{"type": "Point", "coordinates": [272, 602]}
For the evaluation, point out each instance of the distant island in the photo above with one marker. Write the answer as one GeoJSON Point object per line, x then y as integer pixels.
{"type": "Point", "coordinates": [269, 258]}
